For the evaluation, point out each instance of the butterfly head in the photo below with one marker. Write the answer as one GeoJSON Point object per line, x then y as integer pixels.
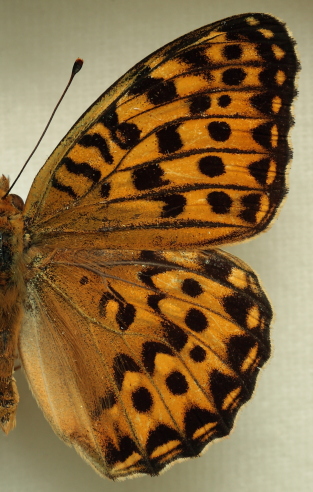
{"type": "Point", "coordinates": [11, 203]}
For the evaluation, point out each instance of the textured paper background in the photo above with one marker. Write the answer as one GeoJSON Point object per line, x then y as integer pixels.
{"type": "Point", "coordinates": [270, 448]}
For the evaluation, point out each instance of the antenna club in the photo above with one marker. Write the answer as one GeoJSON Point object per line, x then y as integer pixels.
{"type": "Point", "coordinates": [77, 66]}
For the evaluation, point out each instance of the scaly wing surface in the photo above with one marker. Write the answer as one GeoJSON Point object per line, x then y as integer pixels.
{"type": "Point", "coordinates": [188, 149]}
{"type": "Point", "coordinates": [142, 358]}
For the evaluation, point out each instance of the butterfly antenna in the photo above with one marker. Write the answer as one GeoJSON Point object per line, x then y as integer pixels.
{"type": "Point", "coordinates": [76, 68]}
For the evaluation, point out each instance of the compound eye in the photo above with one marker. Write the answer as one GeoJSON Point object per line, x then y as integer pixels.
{"type": "Point", "coordinates": [17, 202]}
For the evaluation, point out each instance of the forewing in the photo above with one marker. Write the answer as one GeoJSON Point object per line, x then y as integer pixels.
{"type": "Point", "coordinates": [140, 359]}
{"type": "Point", "coordinates": [188, 149]}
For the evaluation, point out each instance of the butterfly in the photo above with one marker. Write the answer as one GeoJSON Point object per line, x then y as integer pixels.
{"type": "Point", "coordinates": [141, 339]}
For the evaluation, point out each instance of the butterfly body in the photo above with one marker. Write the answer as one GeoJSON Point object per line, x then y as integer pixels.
{"type": "Point", "coordinates": [140, 339]}
{"type": "Point", "coordinates": [12, 291]}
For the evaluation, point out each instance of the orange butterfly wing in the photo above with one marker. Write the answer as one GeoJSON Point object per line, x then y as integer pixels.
{"type": "Point", "coordinates": [192, 140]}
{"type": "Point", "coordinates": [139, 349]}
{"type": "Point", "coordinates": [143, 358]}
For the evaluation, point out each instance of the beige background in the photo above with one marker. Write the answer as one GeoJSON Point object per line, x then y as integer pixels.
{"type": "Point", "coordinates": [270, 448]}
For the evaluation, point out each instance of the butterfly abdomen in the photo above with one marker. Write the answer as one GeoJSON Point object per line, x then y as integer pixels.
{"type": "Point", "coordinates": [11, 298]}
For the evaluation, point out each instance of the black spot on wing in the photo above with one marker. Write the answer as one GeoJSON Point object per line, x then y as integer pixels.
{"type": "Point", "coordinates": [109, 118]}
{"type": "Point", "coordinates": [195, 57]}
{"type": "Point", "coordinates": [251, 205]}
{"type": "Point", "coordinates": [218, 268]}
{"type": "Point", "coordinates": [84, 280]}
{"type": "Point", "coordinates": [197, 353]}
{"type": "Point", "coordinates": [199, 104]}
{"type": "Point", "coordinates": [124, 134]}
{"type": "Point", "coordinates": [105, 189]}
{"type": "Point", "coordinates": [61, 187]}
{"type": "Point", "coordinates": [142, 399]}
{"type": "Point", "coordinates": [233, 76]}
{"type": "Point", "coordinates": [149, 256]}
{"type": "Point", "coordinates": [262, 134]}
{"type": "Point", "coordinates": [237, 306]}
{"type": "Point", "coordinates": [196, 418]}
{"type": "Point", "coordinates": [160, 436]}
{"type": "Point", "coordinates": [126, 312]}
{"type": "Point", "coordinates": [96, 140]}
{"type": "Point", "coordinates": [259, 170]}
{"type": "Point", "coordinates": [219, 131]}
{"type": "Point", "coordinates": [268, 77]}
{"type": "Point", "coordinates": [146, 275]}
{"type": "Point", "coordinates": [143, 83]}
{"type": "Point", "coordinates": [176, 383]}
{"type": "Point", "coordinates": [232, 51]}
{"type": "Point", "coordinates": [174, 335]}
{"type": "Point", "coordinates": [149, 352]}
{"type": "Point", "coordinates": [238, 348]}
{"type": "Point", "coordinates": [125, 315]}
{"type": "Point", "coordinates": [163, 92]}
{"type": "Point", "coordinates": [114, 455]}
{"type": "Point", "coordinates": [224, 101]}
{"type": "Point", "coordinates": [196, 320]}
{"type": "Point", "coordinates": [169, 139]}
{"type": "Point", "coordinates": [263, 102]}
{"type": "Point", "coordinates": [191, 287]}
{"type": "Point", "coordinates": [265, 52]}
{"type": "Point", "coordinates": [127, 135]}
{"type": "Point", "coordinates": [220, 202]}
{"type": "Point", "coordinates": [174, 204]}
{"type": "Point", "coordinates": [153, 301]}
{"type": "Point", "coordinates": [211, 166]}
{"type": "Point", "coordinates": [81, 169]}
{"type": "Point", "coordinates": [105, 298]}
{"type": "Point", "coordinates": [121, 364]}
{"type": "Point", "coordinates": [149, 177]}
{"type": "Point", "coordinates": [221, 385]}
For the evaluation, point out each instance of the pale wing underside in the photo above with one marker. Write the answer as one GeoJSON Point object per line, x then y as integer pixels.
{"type": "Point", "coordinates": [140, 359]}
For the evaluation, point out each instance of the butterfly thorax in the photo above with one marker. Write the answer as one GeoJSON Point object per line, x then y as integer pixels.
{"type": "Point", "coordinates": [11, 297]}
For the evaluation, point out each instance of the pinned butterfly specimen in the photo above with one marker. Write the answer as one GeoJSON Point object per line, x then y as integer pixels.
{"type": "Point", "coordinates": [139, 338]}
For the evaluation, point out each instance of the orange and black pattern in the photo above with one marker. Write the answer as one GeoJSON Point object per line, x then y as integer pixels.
{"type": "Point", "coordinates": [192, 140]}
{"type": "Point", "coordinates": [141, 340]}
{"type": "Point", "coordinates": [175, 339]}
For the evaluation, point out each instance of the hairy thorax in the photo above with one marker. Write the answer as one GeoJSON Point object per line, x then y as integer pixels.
{"type": "Point", "coordinates": [11, 299]}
